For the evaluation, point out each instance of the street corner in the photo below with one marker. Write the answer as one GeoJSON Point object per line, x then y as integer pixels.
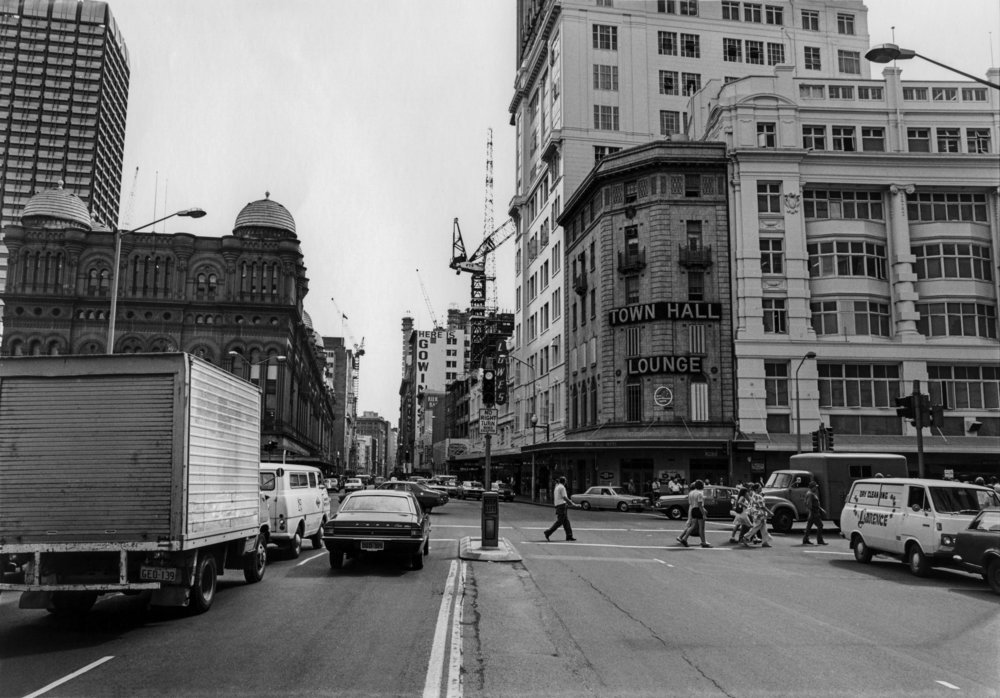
{"type": "Point", "coordinates": [470, 548]}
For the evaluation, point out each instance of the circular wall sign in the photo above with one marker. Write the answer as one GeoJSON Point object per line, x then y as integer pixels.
{"type": "Point", "coordinates": [663, 397]}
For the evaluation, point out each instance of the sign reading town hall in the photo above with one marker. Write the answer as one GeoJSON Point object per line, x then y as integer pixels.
{"type": "Point", "coordinates": [664, 310]}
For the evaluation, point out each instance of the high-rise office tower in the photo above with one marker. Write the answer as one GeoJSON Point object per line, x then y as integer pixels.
{"type": "Point", "coordinates": [595, 77]}
{"type": "Point", "coordinates": [64, 76]}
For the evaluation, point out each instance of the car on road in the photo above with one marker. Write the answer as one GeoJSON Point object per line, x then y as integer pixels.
{"type": "Point", "coordinates": [504, 491]}
{"type": "Point", "coordinates": [446, 484]}
{"type": "Point", "coordinates": [718, 503]}
{"type": "Point", "coordinates": [610, 497]}
{"type": "Point", "coordinates": [977, 548]}
{"type": "Point", "coordinates": [381, 521]}
{"type": "Point", "coordinates": [331, 484]}
{"type": "Point", "coordinates": [351, 484]}
{"type": "Point", "coordinates": [428, 498]}
{"type": "Point", "coordinates": [472, 489]}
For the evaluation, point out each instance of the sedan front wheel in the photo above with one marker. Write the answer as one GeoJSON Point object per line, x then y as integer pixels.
{"type": "Point", "coordinates": [675, 512]}
{"type": "Point", "coordinates": [622, 506]}
{"type": "Point", "coordinates": [585, 506]}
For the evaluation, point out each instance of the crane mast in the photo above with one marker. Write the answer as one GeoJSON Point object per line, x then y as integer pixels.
{"type": "Point", "coordinates": [490, 260]}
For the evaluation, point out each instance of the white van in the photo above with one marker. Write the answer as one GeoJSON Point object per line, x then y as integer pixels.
{"type": "Point", "coordinates": [911, 519]}
{"type": "Point", "coordinates": [297, 504]}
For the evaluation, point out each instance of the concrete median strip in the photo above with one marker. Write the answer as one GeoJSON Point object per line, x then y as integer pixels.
{"type": "Point", "coordinates": [470, 548]}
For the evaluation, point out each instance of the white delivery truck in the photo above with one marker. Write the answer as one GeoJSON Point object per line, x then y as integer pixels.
{"type": "Point", "coordinates": [124, 473]}
{"type": "Point", "coordinates": [785, 490]}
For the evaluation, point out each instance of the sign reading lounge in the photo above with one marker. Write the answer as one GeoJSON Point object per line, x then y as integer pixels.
{"type": "Point", "coordinates": [644, 365]}
{"type": "Point", "coordinates": [664, 310]}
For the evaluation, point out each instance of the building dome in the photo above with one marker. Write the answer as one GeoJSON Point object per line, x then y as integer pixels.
{"type": "Point", "coordinates": [57, 204]}
{"type": "Point", "coordinates": [265, 214]}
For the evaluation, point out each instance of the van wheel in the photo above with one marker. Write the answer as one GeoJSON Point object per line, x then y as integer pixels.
{"type": "Point", "coordinates": [317, 538]}
{"type": "Point", "coordinates": [919, 564]}
{"type": "Point", "coordinates": [781, 522]}
{"type": "Point", "coordinates": [255, 562]}
{"type": "Point", "coordinates": [72, 603]}
{"type": "Point", "coordinates": [862, 553]}
{"type": "Point", "coordinates": [992, 575]}
{"type": "Point", "coordinates": [205, 578]}
{"type": "Point", "coordinates": [295, 545]}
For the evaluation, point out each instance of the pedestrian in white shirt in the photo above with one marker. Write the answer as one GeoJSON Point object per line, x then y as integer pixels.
{"type": "Point", "coordinates": [562, 502]}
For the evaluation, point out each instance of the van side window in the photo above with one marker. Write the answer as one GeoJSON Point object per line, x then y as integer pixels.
{"type": "Point", "coordinates": [918, 499]}
{"type": "Point", "coordinates": [267, 482]}
{"type": "Point", "coordinates": [298, 480]}
{"type": "Point", "coordinates": [312, 479]}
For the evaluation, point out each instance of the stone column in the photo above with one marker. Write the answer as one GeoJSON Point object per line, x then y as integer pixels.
{"type": "Point", "coordinates": [904, 293]}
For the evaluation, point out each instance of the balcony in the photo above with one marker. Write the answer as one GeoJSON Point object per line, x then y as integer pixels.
{"type": "Point", "coordinates": [632, 263]}
{"type": "Point", "coordinates": [580, 284]}
{"type": "Point", "coordinates": [695, 256]}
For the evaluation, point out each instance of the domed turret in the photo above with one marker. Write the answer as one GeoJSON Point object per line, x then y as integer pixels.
{"type": "Point", "coordinates": [264, 216]}
{"type": "Point", "coordinates": [56, 205]}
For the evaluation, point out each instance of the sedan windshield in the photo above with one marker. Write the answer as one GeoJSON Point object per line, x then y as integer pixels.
{"type": "Point", "coordinates": [389, 505]}
{"type": "Point", "coordinates": [962, 500]}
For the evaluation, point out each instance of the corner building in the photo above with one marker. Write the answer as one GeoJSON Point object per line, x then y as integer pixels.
{"type": "Point", "coordinates": [649, 373]}
{"type": "Point", "coordinates": [595, 78]}
{"type": "Point", "coordinates": [865, 235]}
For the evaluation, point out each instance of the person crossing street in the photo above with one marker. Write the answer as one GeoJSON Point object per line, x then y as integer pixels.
{"type": "Point", "coordinates": [562, 502]}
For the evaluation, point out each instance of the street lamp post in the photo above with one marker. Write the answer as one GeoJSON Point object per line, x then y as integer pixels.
{"type": "Point", "coordinates": [266, 362]}
{"type": "Point", "coordinates": [188, 213]}
{"type": "Point", "coordinates": [891, 52]}
{"type": "Point", "coordinates": [798, 403]}
{"type": "Point", "coordinates": [535, 426]}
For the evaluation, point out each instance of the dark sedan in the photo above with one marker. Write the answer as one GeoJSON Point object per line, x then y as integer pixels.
{"type": "Point", "coordinates": [977, 548]}
{"type": "Point", "coordinates": [378, 521]}
{"type": "Point", "coordinates": [718, 503]}
{"type": "Point", "coordinates": [427, 497]}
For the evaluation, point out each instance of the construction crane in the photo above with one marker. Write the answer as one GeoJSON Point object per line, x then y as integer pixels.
{"type": "Point", "coordinates": [427, 300]}
{"type": "Point", "coordinates": [476, 263]}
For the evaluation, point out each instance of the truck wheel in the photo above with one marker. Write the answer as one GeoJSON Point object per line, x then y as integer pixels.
{"type": "Point", "coordinates": [919, 564]}
{"type": "Point", "coordinates": [336, 559]}
{"type": "Point", "coordinates": [72, 603]}
{"type": "Point", "coordinates": [781, 522]}
{"type": "Point", "coordinates": [205, 578]}
{"type": "Point", "coordinates": [295, 545]}
{"type": "Point", "coordinates": [675, 512]}
{"type": "Point", "coordinates": [862, 553]}
{"type": "Point", "coordinates": [992, 575]}
{"type": "Point", "coordinates": [255, 562]}
{"type": "Point", "coordinates": [317, 538]}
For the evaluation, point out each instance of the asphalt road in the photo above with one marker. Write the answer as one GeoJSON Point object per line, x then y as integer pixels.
{"type": "Point", "coordinates": [623, 611]}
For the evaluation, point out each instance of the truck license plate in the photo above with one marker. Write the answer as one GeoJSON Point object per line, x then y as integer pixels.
{"type": "Point", "coordinates": [372, 545]}
{"type": "Point", "coordinates": [158, 574]}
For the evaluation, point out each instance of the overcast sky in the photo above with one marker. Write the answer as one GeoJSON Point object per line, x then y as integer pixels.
{"type": "Point", "coordinates": [368, 121]}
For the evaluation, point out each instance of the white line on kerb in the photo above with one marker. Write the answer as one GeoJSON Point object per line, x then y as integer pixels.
{"type": "Point", "coordinates": [949, 685]}
{"type": "Point", "coordinates": [69, 677]}
{"type": "Point", "coordinates": [455, 660]}
{"type": "Point", "coordinates": [432, 684]}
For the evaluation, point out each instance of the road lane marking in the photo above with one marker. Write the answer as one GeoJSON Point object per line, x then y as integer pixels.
{"type": "Point", "coordinates": [69, 677]}
{"type": "Point", "coordinates": [455, 661]}
{"type": "Point", "coordinates": [576, 544]}
{"type": "Point", "coordinates": [307, 560]}
{"type": "Point", "coordinates": [435, 665]}
{"type": "Point", "coordinates": [589, 558]}
{"type": "Point", "coordinates": [662, 562]}
{"type": "Point", "coordinates": [827, 552]}
{"type": "Point", "coordinates": [949, 685]}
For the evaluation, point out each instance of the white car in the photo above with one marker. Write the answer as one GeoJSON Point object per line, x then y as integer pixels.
{"type": "Point", "coordinates": [297, 505]}
{"type": "Point", "coordinates": [351, 484]}
{"type": "Point", "coordinates": [610, 497]}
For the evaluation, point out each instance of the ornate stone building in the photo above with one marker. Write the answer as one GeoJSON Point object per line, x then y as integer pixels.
{"type": "Point", "coordinates": [235, 300]}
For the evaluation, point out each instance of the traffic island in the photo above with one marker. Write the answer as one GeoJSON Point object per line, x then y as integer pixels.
{"type": "Point", "coordinates": [470, 548]}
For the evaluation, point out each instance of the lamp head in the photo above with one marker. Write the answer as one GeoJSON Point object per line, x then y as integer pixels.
{"type": "Point", "coordinates": [192, 213]}
{"type": "Point", "coordinates": [889, 52]}
{"type": "Point", "coordinates": [810, 355]}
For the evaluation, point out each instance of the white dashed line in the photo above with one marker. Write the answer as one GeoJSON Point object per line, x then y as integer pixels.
{"type": "Point", "coordinates": [949, 685]}
{"type": "Point", "coordinates": [68, 677]}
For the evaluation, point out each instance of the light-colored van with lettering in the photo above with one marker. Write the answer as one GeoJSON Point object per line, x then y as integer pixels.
{"type": "Point", "coordinates": [914, 520]}
{"type": "Point", "coordinates": [297, 504]}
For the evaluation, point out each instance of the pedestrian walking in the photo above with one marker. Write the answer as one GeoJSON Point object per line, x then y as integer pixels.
{"type": "Point", "coordinates": [562, 502]}
{"type": "Point", "coordinates": [816, 514]}
{"type": "Point", "coordinates": [696, 515]}
{"type": "Point", "coordinates": [656, 490]}
{"type": "Point", "coordinates": [631, 486]}
{"type": "Point", "coordinates": [673, 486]}
{"type": "Point", "coordinates": [758, 513]}
{"type": "Point", "coordinates": [741, 516]}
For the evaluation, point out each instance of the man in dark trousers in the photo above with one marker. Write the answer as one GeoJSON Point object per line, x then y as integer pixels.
{"type": "Point", "coordinates": [562, 502]}
{"type": "Point", "coordinates": [816, 514]}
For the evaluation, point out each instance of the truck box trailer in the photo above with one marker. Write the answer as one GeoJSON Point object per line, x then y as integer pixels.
{"type": "Point", "coordinates": [124, 473]}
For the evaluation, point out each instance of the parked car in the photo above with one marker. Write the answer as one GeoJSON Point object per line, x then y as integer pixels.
{"type": "Point", "coordinates": [505, 491]}
{"type": "Point", "coordinates": [473, 489]}
{"type": "Point", "coordinates": [977, 548]}
{"type": "Point", "coordinates": [718, 503]}
{"type": "Point", "coordinates": [610, 497]}
{"type": "Point", "coordinates": [382, 521]}
{"type": "Point", "coordinates": [427, 497]}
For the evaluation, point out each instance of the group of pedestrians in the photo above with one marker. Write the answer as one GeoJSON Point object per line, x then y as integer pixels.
{"type": "Point", "coordinates": [750, 515]}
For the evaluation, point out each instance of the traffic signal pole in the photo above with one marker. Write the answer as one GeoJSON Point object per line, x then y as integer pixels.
{"type": "Point", "coordinates": [918, 412]}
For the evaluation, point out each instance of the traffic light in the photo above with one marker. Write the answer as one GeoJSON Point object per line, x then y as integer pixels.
{"type": "Point", "coordinates": [815, 437]}
{"type": "Point", "coordinates": [905, 408]}
{"type": "Point", "coordinates": [937, 416]}
{"type": "Point", "coordinates": [489, 386]}
{"type": "Point", "coordinates": [829, 439]}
